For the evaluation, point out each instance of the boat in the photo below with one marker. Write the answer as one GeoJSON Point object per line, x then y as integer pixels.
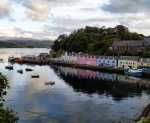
{"type": "Point", "coordinates": [50, 83]}
{"type": "Point", "coordinates": [28, 69]}
{"type": "Point", "coordinates": [1, 60]}
{"type": "Point", "coordinates": [9, 67]}
{"type": "Point", "coordinates": [19, 61]}
{"type": "Point", "coordinates": [35, 76]}
{"type": "Point", "coordinates": [133, 72]}
{"type": "Point", "coordinates": [20, 71]}
{"type": "Point", "coordinates": [12, 59]}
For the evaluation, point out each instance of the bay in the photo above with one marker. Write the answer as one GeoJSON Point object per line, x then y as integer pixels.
{"type": "Point", "coordinates": [78, 96]}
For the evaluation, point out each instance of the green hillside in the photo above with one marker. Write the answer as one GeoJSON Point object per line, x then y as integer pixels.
{"type": "Point", "coordinates": [93, 40]}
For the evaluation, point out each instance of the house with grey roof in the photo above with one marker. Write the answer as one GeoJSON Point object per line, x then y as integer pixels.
{"type": "Point", "coordinates": [133, 45]}
{"type": "Point", "coordinates": [144, 63]}
{"type": "Point", "coordinates": [128, 61]}
{"type": "Point", "coordinates": [107, 61]}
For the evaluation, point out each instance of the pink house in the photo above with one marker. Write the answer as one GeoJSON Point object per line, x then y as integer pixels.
{"type": "Point", "coordinates": [91, 60]}
{"type": "Point", "coordinates": [81, 59]}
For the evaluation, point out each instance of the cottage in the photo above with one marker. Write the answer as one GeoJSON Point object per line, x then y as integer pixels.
{"type": "Point", "coordinates": [144, 63]}
{"type": "Point", "coordinates": [81, 59]}
{"type": "Point", "coordinates": [69, 57]}
{"type": "Point", "coordinates": [107, 61]}
{"type": "Point", "coordinates": [91, 60]}
{"type": "Point", "coordinates": [128, 61]}
{"type": "Point", "coordinates": [133, 45]}
{"type": "Point", "coordinates": [29, 57]}
{"type": "Point", "coordinates": [64, 57]}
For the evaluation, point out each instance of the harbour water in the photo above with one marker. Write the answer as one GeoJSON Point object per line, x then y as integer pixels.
{"type": "Point", "coordinates": [78, 96]}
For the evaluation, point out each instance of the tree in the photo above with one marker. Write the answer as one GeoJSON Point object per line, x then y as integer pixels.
{"type": "Point", "coordinates": [6, 115]}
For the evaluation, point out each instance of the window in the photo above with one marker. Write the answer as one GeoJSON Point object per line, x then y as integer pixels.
{"type": "Point", "coordinates": [126, 62]}
{"type": "Point", "coordinates": [108, 61]}
{"type": "Point", "coordinates": [133, 63]}
{"type": "Point", "coordinates": [120, 62]}
{"type": "Point", "coordinates": [113, 61]}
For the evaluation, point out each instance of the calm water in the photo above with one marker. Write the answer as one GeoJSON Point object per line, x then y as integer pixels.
{"type": "Point", "coordinates": [78, 96]}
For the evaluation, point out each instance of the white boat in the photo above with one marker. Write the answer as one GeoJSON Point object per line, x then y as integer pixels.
{"type": "Point", "coordinates": [134, 72]}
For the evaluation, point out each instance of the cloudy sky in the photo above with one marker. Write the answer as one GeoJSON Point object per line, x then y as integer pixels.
{"type": "Point", "coordinates": [46, 19]}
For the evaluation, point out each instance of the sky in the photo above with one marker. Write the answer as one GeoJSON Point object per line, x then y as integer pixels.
{"type": "Point", "coordinates": [47, 19]}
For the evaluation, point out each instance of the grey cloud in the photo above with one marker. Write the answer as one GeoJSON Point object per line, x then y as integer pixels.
{"type": "Point", "coordinates": [5, 9]}
{"type": "Point", "coordinates": [38, 10]}
{"type": "Point", "coordinates": [126, 6]}
{"type": "Point", "coordinates": [88, 9]}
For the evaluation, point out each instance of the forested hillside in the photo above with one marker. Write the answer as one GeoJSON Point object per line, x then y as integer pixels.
{"type": "Point", "coordinates": [93, 40]}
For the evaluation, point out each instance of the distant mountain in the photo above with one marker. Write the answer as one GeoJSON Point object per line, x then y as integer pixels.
{"type": "Point", "coordinates": [28, 41]}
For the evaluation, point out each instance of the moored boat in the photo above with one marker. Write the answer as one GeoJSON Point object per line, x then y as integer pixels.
{"type": "Point", "coordinates": [50, 83]}
{"type": "Point", "coordinates": [20, 71]}
{"type": "Point", "coordinates": [28, 69]}
{"type": "Point", "coordinates": [9, 67]}
{"type": "Point", "coordinates": [133, 72]}
{"type": "Point", "coordinates": [35, 76]}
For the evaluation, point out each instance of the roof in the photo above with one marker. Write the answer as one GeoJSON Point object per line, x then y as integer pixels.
{"type": "Point", "coordinates": [108, 57]}
{"type": "Point", "coordinates": [130, 43]}
{"type": "Point", "coordinates": [145, 60]}
{"type": "Point", "coordinates": [147, 41]}
{"type": "Point", "coordinates": [133, 58]}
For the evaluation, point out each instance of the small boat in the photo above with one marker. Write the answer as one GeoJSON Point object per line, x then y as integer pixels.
{"type": "Point", "coordinates": [19, 61]}
{"type": "Point", "coordinates": [50, 83]}
{"type": "Point", "coordinates": [12, 59]}
{"type": "Point", "coordinates": [133, 72]}
{"type": "Point", "coordinates": [1, 60]}
{"type": "Point", "coordinates": [28, 69]}
{"type": "Point", "coordinates": [9, 67]}
{"type": "Point", "coordinates": [35, 76]}
{"type": "Point", "coordinates": [20, 71]}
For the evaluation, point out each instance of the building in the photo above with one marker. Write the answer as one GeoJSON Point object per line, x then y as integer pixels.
{"type": "Point", "coordinates": [81, 59]}
{"type": "Point", "coordinates": [91, 60]}
{"type": "Point", "coordinates": [144, 63]}
{"type": "Point", "coordinates": [128, 61]}
{"type": "Point", "coordinates": [107, 61]}
{"type": "Point", "coordinates": [133, 45]}
{"type": "Point", "coordinates": [69, 57]}
{"type": "Point", "coordinates": [29, 57]}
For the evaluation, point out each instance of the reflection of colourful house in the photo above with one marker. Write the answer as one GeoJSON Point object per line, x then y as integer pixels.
{"type": "Point", "coordinates": [106, 76]}
{"type": "Point", "coordinates": [90, 74]}
{"type": "Point", "coordinates": [81, 73]}
{"type": "Point", "coordinates": [91, 60]}
{"type": "Point", "coordinates": [81, 59]}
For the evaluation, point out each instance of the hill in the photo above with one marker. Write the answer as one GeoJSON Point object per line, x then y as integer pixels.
{"type": "Point", "coordinates": [24, 42]}
{"type": "Point", "coordinates": [93, 40]}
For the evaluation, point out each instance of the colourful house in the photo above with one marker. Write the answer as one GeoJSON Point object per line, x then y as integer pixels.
{"type": "Point", "coordinates": [144, 63]}
{"type": "Point", "coordinates": [107, 61]}
{"type": "Point", "coordinates": [91, 60]}
{"type": "Point", "coordinates": [81, 59]}
{"type": "Point", "coordinates": [128, 61]}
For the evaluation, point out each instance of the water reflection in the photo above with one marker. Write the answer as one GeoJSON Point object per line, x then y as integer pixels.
{"type": "Point", "coordinates": [80, 96]}
{"type": "Point", "coordinates": [118, 86]}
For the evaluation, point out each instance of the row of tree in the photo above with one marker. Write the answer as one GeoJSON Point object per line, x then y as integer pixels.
{"type": "Point", "coordinates": [93, 40]}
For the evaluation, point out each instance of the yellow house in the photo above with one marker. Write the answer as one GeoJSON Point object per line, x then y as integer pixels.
{"type": "Point", "coordinates": [144, 63]}
{"type": "Point", "coordinates": [128, 61]}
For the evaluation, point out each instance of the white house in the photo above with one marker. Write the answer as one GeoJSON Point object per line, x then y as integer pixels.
{"type": "Point", "coordinates": [107, 61]}
{"type": "Point", "coordinates": [128, 61]}
{"type": "Point", "coordinates": [70, 57]}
